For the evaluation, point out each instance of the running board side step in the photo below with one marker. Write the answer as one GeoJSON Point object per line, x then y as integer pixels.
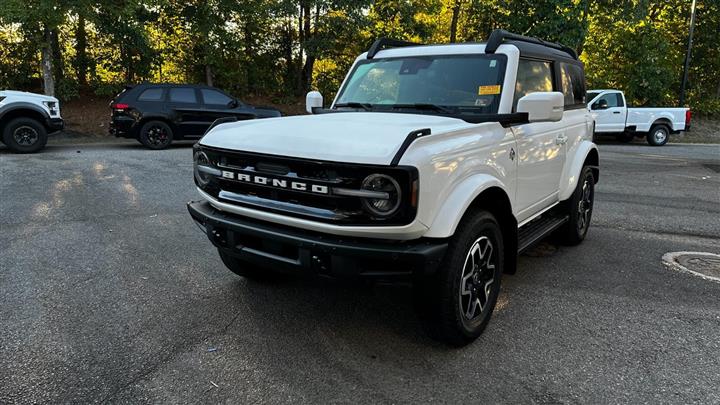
{"type": "Point", "coordinates": [537, 229]}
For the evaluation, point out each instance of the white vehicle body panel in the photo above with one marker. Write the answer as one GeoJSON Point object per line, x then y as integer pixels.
{"type": "Point", "coordinates": [535, 164]}
{"type": "Point", "coordinates": [618, 118]}
{"type": "Point", "coordinates": [38, 100]}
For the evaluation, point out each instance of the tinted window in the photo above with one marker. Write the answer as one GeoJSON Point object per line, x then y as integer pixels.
{"type": "Point", "coordinates": [573, 84]}
{"type": "Point", "coordinates": [532, 76]}
{"type": "Point", "coordinates": [215, 97]}
{"type": "Point", "coordinates": [183, 95]}
{"type": "Point", "coordinates": [591, 95]}
{"type": "Point", "coordinates": [620, 102]}
{"type": "Point", "coordinates": [154, 94]}
{"type": "Point", "coordinates": [611, 98]}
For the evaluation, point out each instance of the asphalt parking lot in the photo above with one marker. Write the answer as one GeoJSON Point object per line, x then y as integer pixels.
{"type": "Point", "coordinates": [109, 293]}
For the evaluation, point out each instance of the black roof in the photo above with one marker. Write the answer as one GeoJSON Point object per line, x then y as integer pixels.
{"type": "Point", "coordinates": [528, 46]}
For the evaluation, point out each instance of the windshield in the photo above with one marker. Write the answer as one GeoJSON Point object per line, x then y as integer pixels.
{"type": "Point", "coordinates": [451, 81]}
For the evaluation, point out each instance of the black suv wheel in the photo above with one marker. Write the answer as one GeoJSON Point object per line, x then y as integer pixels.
{"type": "Point", "coordinates": [24, 135]}
{"type": "Point", "coordinates": [457, 303]}
{"type": "Point", "coordinates": [579, 207]}
{"type": "Point", "coordinates": [156, 135]}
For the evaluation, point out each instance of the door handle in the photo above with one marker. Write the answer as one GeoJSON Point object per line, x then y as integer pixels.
{"type": "Point", "coordinates": [616, 112]}
{"type": "Point", "coordinates": [561, 139]}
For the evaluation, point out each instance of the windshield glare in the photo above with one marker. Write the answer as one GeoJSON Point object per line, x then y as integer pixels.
{"type": "Point", "coordinates": [472, 81]}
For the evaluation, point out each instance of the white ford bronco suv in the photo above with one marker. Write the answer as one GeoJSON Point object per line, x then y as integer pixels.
{"type": "Point", "coordinates": [26, 119]}
{"type": "Point", "coordinates": [435, 164]}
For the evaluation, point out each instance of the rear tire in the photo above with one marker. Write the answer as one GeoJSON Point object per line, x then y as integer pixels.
{"type": "Point", "coordinates": [579, 207]}
{"type": "Point", "coordinates": [457, 302]}
{"type": "Point", "coordinates": [245, 269]}
{"type": "Point", "coordinates": [156, 135]}
{"type": "Point", "coordinates": [659, 135]}
{"type": "Point", "coordinates": [24, 135]}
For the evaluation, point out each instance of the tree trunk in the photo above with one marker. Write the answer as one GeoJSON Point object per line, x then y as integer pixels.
{"type": "Point", "coordinates": [47, 68]}
{"type": "Point", "coordinates": [58, 65]}
{"type": "Point", "coordinates": [305, 73]}
{"type": "Point", "coordinates": [454, 20]}
{"type": "Point", "coordinates": [81, 62]}
{"type": "Point", "coordinates": [208, 75]}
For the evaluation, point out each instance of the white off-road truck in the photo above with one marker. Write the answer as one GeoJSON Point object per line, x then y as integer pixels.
{"type": "Point", "coordinates": [26, 119]}
{"type": "Point", "coordinates": [436, 164]}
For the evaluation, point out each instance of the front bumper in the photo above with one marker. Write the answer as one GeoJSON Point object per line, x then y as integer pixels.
{"type": "Point", "coordinates": [295, 250]}
{"type": "Point", "coordinates": [55, 124]}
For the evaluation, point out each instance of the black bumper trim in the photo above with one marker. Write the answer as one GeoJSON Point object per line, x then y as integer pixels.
{"type": "Point", "coordinates": [296, 250]}
{"type": "Point", "coordinates": [55, 124]}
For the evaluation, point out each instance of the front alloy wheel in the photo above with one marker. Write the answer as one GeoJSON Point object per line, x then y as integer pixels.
{"type": "Point", "coordinates": [456, 303]}
{"type": "Point", "coordinates": [477, 279]}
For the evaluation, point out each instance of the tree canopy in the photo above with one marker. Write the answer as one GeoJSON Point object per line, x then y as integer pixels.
{"type": "Point", "coordinates": [282, 48]}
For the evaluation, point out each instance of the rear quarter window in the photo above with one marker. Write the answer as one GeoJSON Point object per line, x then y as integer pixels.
{"type": "Point", "coordinates": [154, 94]}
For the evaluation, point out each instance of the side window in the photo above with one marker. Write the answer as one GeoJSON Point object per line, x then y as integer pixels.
{"type": "Point", "coordinates": [573, 84]}
{"type": "Point", "coordinates": [153, 94]}
{"type": "Point", "coordinates": [183, 95]}
{"type": "Point", "coordinates": [611, 99]}
{"type": "Point", "coordinates": [619, 101]}
{"type": "Point", "coordinates": [214, 97]}
{"type": "Point", "coordinates": [532, 76]}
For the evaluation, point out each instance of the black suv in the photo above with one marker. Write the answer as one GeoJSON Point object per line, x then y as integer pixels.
{"type": "Point", "coordinates": [157, 114]}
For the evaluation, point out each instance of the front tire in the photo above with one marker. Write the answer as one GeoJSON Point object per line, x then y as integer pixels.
{"type": "Point", "coordinates": [659, 135]}
{"type": "Point", "coordinates": [24, 135]}
{"type": "Point", "coordinates": [457, 302]}
{"type": "Point", "coordinates": [156, 135]}
{"type": "Point", "coordinates": [579, 207]}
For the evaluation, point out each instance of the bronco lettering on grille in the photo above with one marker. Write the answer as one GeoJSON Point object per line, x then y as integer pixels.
{"type": "Point", "coordinates": [273, 182]}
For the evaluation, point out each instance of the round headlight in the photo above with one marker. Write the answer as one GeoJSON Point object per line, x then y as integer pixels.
{"type": "Point", "coordinates": [200, 160]}
{"type": "Point", "coordinates": [381, 183]}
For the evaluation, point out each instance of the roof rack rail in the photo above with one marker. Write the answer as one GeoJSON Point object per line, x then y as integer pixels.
{"type": "Point", "coordinates": [497, 37]}
{"type": "Point", "coordinates": [382, 43]}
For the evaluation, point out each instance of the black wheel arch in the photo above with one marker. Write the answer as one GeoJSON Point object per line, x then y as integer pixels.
{"type": "Point", "coordinates": [23, 110]}
{"type": "Point", "coordinates": [496, 201]}
{"type": "Point", "coordinates": [593, 160]}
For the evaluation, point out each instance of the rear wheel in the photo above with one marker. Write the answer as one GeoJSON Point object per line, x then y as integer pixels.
{"type": "Point", "coordinates": [659, 135]}
{"type": "Point", "coordinates": [456, 303]}
{"type": "Point", "coordinates": [156, 135]}
{"type": "Point", "coordinates": [245, 269]}
{"type": "Point", "coordinates": [579, 208]}
{"type": "Point", "coordinates": [24, 135]}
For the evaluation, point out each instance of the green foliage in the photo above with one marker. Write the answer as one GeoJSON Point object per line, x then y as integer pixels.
{"type": "Point", "coordinates": [281, 48]}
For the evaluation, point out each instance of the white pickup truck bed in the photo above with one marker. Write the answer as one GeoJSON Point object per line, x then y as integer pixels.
{"type": "Point", "coordinates": [612, 115]}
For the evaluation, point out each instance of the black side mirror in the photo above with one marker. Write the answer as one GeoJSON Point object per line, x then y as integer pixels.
{"type": "Point", "coordinates": [601, 104]}
{"type": "Point", "coordinates": [233, 103]}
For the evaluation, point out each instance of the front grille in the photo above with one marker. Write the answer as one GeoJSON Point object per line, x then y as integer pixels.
{"type": "Point", "coordinates": [303, 188]}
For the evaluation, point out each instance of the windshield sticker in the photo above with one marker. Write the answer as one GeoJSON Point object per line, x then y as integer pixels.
{"type": "Point", "coordinates": [493, 63]}
{"type": "Point", "coordinates": [489, 90]}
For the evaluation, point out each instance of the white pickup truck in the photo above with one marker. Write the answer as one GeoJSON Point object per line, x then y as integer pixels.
{"type": "Point", "coordinates": [435, 164]}
{"type": "Point", "coordinates": [613, 116]}
{"type": "Point", "coordinates": [26, 119]}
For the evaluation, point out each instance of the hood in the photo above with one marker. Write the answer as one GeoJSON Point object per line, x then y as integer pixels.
{"type": "Point", "coordinates": [24, 94]}
{"type": "Point", "coordinates": [357, 137]}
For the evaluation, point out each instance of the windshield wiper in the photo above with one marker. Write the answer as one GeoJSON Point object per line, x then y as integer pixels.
{"type": "Point", "coordinates": [353, 104]}
{"type": "Point", "coordinates": [426, 106]}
